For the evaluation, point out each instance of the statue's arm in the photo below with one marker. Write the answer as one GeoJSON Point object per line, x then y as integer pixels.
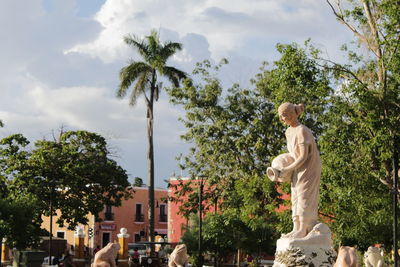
{"type": "Point", "coordinates": [303, 153]}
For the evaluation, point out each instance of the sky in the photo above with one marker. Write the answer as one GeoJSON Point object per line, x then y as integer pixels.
{"type": "Point", "coordinates": [60, 59]}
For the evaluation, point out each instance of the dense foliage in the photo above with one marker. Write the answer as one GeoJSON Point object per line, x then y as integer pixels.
{"type": "Point", "coordinates": [353, 110]}
{"type": "Point", "coordinates": [223, 234]}
{"type": "Point", "coordinates": [20, 220]}
{"type": "Point", "coordinates": [76, 169]}
{"type": "Point", "coordinates": [363, 124]}
{"type": "Point", "coordinates": [237, 133]}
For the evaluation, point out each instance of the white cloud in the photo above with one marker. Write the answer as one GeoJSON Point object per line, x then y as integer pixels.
{"type": "Point", "coordinates": [225, 25]}
{"type": "Point", "coordinates": [87, 108]}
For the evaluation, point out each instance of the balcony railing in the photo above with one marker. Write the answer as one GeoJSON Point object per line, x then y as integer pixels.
{"type": "Point", "coordinates": [139, 218]}
{"type": "Point", "coordinates": [163, 218]}
{"type": "Point", "coordinates": [109, 216]}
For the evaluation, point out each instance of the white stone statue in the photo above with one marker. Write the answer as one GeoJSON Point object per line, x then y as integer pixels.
{"type": "Point", "coordinates": [178, 257]}
{"type": "Point", "coordinates": [310, 242]}
{"type": "Point", "coordinates": [304, 170]}
{"type": "Point", "coordinates": [106, 256]}
{"type": "Point", "coordinates": [374, 258]}
{"type": "Point", "coordinates": [347, 257]}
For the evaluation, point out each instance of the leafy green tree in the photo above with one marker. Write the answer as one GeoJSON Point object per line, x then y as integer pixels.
{"type": "Point", "coordinates": [217, 236]}
{"type": "Point", "coordinates": [369, 83]}
{"type": "Point", "coordinates": [20, 220]}
{"type": "Point", "coordinates": [225, 233]}
{"type": "Point", "coordinates": [230, 143]}
{"type": "Point", "coordinates": [79, 164]}
{"type": "Point", "coordinates": [363, 124]}
{"type": "Point", "coordinates": [138, 182]}
{"type": "Point", "coordinates": [20, 214]}
{"type": "Point", "coordinates": [297, 78]}
{"type": "Point", "coordinates": [237, 133]}
{"type": "Point", "coordinates": [355, 125]}
{"type": "Point", "coordinates": [191, 239]}
{"type": "Point", "coordinates": [144, 75]}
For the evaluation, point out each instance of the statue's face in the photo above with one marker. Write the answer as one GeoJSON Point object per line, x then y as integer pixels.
{"type": "Point", "coordinates": [287, 117]}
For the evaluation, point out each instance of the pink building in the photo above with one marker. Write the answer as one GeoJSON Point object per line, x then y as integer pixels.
{"type": "Point", "coordinates": [176, 222]}
{"type": "Point", "coordinates": [132, 215]}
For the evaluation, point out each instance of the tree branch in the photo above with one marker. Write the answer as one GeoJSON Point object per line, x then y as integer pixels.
{"type": "Point", "coordinates": [339, 67]}
{"type": "Point", "coordinates": [341, 19]}
{"type": "Point", "coordinates": [376, 47]}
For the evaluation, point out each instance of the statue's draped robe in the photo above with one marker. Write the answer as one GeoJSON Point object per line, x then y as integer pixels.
{"type": "Point", "coordinates": [306, 178]}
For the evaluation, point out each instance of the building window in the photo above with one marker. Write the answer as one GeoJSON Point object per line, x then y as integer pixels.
{"type": "Point", "coordinates": [139, 217]}
{"type": "Point", "coordinates": [108, 215]}
{"type": "Point", "coordinates": [163, 213]}
{"type": "Point", "coordinates": [61, 234]}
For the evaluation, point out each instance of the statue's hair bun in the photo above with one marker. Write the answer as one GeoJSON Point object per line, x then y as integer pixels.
{"type": "Point", "coordinates": [298, 108]}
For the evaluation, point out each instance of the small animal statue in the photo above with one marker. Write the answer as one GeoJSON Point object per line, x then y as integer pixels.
{"type": "Point", "coordinates": [178, 257]}
{"type": "Point", "coordinates": [106, 256]}
{"type": "Point", "coordinates": [373, 258]}
{"type": "Point", "coordinates": [347, 257]}
{"type": "Point", "coordinates": [320, 229]}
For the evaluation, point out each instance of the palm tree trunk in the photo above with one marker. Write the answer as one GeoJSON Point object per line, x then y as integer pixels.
{"type": "Point", "coordinates": [150, 158]}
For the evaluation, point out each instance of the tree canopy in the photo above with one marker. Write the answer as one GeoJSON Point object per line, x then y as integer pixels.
{"type": "Point", "coordinates": [351, 108]}
{"type": "Point", "coordinates": [20, 220]}
{"type": "Point", "coordinates": [363, 118]}
{"type": "Point", "coordinates": [223, 234]}
{"type": "Point", "coordinates": [77, 164]}
{"type": "Point", "coordinates": [236, 133]}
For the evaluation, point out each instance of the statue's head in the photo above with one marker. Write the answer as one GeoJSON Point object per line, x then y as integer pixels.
{"type": "Point", "coordinates": [374, 250]}
{"type": "Point", "coordinates": [288, 112]}
{"type": "Point", "coordinates": [179, 255]}
{"type": "Point", "coordinates": [112, 248]}
{"type": "Point", "coordinates": [181, 248]}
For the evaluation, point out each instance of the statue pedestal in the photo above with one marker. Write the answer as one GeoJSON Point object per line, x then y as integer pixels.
{"type": "Point", "coordinates": [313, 250]}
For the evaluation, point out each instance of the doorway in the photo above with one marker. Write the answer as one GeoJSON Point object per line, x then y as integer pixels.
{"type": "Point", "coordinates": [106, 239]}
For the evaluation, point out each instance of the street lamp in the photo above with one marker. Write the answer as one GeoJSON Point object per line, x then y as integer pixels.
{"type": "Point", "coordinates": [201, 187]}
{"type": "Point", "coordinates": [395, 195]}
{"type": "Point", "coordinates": [52, 184]}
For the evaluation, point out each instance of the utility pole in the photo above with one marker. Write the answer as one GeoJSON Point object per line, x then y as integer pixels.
{"type": "Point", "coordinates": [395, 197]}
{"type": "Point", "coordinates": [52, 185]}
{"type": "Point", "coordinates": [200, 258]}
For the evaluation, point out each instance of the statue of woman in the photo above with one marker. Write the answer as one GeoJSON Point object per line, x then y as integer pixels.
{"type": "Point", "coordinates": [305, 171]}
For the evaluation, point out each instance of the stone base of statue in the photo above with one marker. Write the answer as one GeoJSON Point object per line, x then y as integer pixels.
{"type": "Point", "coordinates": [313, 250]}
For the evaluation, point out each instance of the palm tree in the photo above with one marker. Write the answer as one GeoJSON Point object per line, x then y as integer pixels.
{"type": "Point", "coordinates": [143, 75]}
